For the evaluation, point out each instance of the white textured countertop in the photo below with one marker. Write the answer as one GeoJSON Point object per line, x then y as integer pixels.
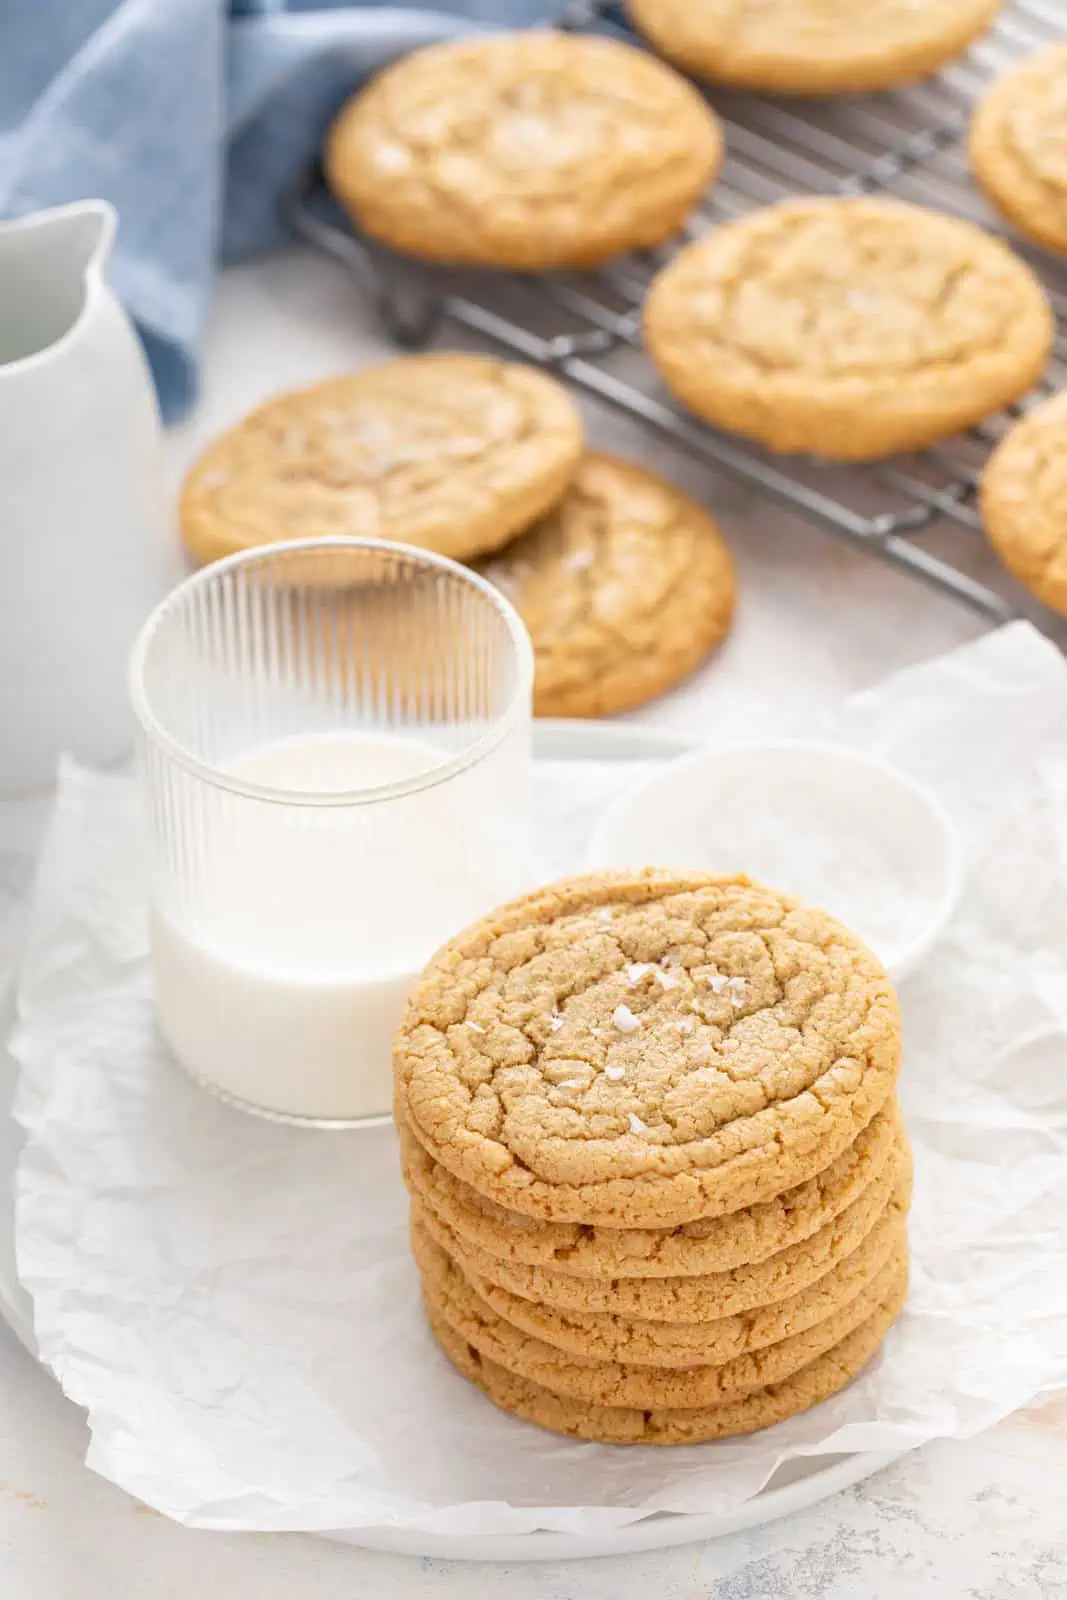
{"type": "Point", "coordinates": [986, 1520]}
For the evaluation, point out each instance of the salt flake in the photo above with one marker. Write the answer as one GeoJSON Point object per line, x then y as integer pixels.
{"type": "Point", "coordinates": [737, 988]}
{"type": "Point", "coordinates": [475, 1027]}
{"type": "Point", "coordinates": [577, 561]}
{"type": "Point", "coordinates": [624, 1019]}
{"type": "Point", "coordinates": [392, 158]}
{"type": "Point", "coordinates": [717, 983]}
{"type": "Point", "coordinates": [636, 1125]}
{"type": "Point", "coordinates": [669, 980]}
{"type": "Point", "coordinates": [615, 1073]}
{"type": "Point", "coordinates": [636, 971]}
{"type": "Point", "coordinates": [555, 1021]}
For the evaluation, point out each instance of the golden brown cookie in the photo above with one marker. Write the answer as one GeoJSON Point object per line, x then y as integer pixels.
{"type": "Point", "coordinates": [811, 46]}
{"type": "Point", "coordinates": [613, 1336]}
{"type": "Point", "coordinates": [726, 1294]}
{"type": "Point", "coordinates": [1019, 146]}
{"type": "Point", "coordinates": [851, 329]}
{"type": "Point", "coordinates": [821, 1378]}
{"type": "Point", "coordinates": [1024, 501]}
{"type": "Point", "coordinates": [524, 150]}
{"type": "Point", "coordinates": [641, 1049]}
{"type": "Point", "coordinates": [628, 1383]}
{"type": "Point", "coordinates": [625, 587]}
{"type": "Point", "coordinates": [454, 453]}
{"type": "Point", "coordinates": [744, 1239]}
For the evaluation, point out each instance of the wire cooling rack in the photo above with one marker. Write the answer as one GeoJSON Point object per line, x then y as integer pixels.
{"type": "Point", "coordinates": [918, 511]}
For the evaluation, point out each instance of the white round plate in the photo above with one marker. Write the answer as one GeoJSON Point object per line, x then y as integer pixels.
{"type": "Point", "coordinates": [804, 1484]}
{"type": "Point", "coordinates": [796, 1486]}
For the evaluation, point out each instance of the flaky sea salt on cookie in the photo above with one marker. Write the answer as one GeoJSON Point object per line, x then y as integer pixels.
{"type": "Point", "coordinates": [777, 1045]}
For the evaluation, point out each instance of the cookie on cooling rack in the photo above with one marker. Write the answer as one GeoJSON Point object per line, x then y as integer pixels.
{"type": "Point", "coordinates": [1024, 501]}
{"type": "Point", "coordinates": [809, 47]}
{"type": "Point", "coordinates": [1019, 146]}
{"type": "Point", "coordinates": [625, 587]}
{"type": "Point", "coordinates": [524, 151]}
{"type": "Point", "coordinates": [454, 453]}
{"type": "Point", "coordinates": [847, 328]}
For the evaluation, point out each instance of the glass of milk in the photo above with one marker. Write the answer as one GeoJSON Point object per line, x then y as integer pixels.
{"type": "Point", "coordinates": [336, 749]}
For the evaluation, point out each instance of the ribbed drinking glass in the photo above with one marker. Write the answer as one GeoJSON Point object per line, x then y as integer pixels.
{"type": "Point", "coordinates": [336, 754]}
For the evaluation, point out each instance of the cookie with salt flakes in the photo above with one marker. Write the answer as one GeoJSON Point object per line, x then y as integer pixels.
{"type": "Point", "coordinates": [528, 1066]}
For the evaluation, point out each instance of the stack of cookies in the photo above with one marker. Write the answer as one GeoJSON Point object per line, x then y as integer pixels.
{"type": "Point", "coordinates": [658, 1179]}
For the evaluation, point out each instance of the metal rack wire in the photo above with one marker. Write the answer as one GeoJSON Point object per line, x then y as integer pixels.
{"type": "Point", "coordinates": [918, 511]}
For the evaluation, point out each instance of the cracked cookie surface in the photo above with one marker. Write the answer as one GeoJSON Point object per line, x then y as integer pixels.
{"type": "Point", "coordinates": [717, 1245]}
{"type": "Point", "coordinates": [820, 1379]}
{"type": "Point", "coordinates": [642, 1049]}
{"type": "Point", "coordinates": [1018, 146]}
{"type": "Point", "coordinates": [624, 587]}
{"type": "Point", "coordinates": [727, 1293]}
{"type": "Point", "coordinates": [811, 46]}
{"type": "Point", "coordinates": [851, 329]}
{"type": "Point", "coordinates": [1024, 501]}
{"type": "Point", "coordinates": [630, 1383]}
{"type": "Point", "coordinates": [454, 453]}
{"type": "Point", "coordinates": [524, 150]}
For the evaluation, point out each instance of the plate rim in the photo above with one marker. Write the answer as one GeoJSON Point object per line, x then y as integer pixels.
{"type": "Point", "coordinates": [559, 739]}
{"type": "Point", "coordinates": [661, 1530]}
{"type": "Point", "coordinates": [578, 739]}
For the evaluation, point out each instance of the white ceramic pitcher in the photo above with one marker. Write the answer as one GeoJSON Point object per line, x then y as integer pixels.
{"type": "Point", "coordinates": [86, 549]}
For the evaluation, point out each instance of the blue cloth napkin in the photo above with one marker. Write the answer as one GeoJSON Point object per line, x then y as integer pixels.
{"type": "Point", "coordinates": [191, 117]}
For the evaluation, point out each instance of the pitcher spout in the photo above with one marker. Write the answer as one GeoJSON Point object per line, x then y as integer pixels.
{"type": "Point", "coordinates": [50, 263]}
{"type": "Point", "coordinates": [74, 239]}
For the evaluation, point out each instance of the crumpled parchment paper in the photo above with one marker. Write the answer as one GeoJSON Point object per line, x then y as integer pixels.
{"type": "Point", "coordinates": [233, 1302]}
